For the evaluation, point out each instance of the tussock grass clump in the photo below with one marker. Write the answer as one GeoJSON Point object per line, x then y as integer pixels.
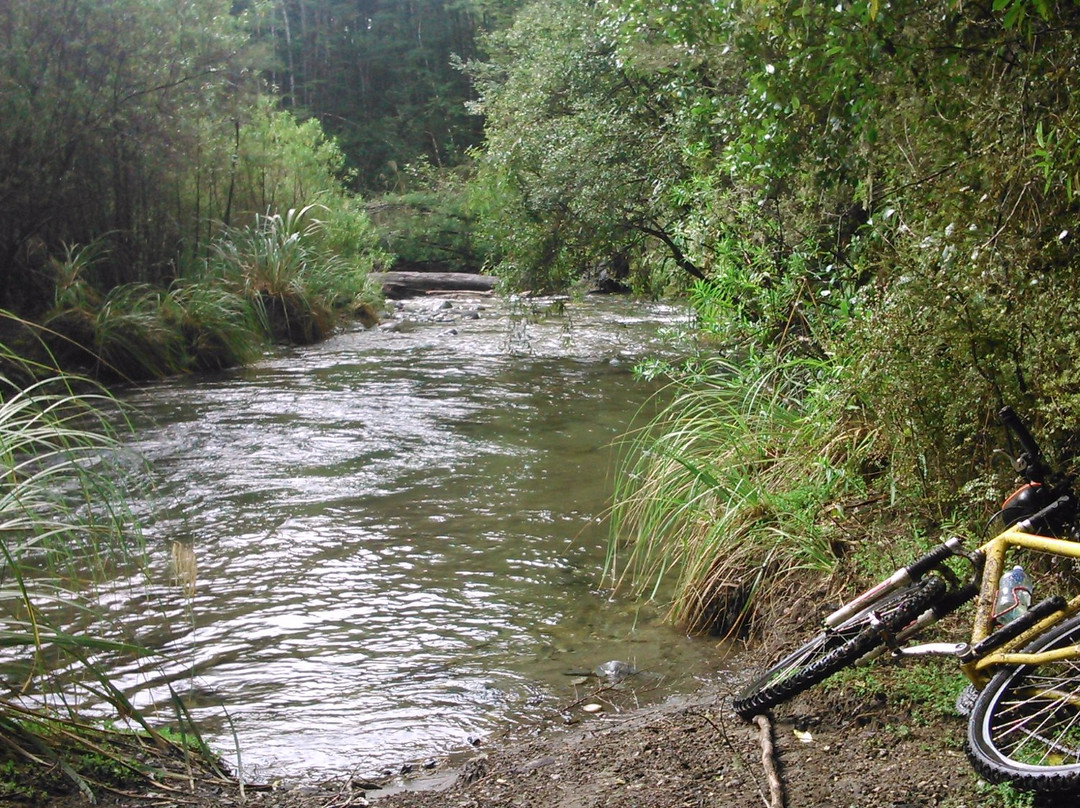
{"type": "Point", "coordinates": [219, 328]}
{"type": "Point", "coordinates": [282, 264]}
{"type": "Point", "coordinates": [127, 335]}
{"type": "Point", "coordinates": [733, 486]}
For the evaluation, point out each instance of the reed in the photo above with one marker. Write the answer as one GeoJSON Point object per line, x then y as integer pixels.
{"type": "Point", "coordinates": [64, 526]}
{"type": "Point", "coordinates": [725, 496]}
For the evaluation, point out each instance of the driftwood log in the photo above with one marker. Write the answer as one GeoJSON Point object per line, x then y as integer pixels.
{"type": "Point", "coordinates": [411, 284]}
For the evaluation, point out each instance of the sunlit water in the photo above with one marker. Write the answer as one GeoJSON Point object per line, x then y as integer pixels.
{"type": "Point", "coordinates": [384, 547]}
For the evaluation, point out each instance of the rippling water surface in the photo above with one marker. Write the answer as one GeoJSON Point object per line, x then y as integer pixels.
{"type": "Point", "coordinates": [377, 549]}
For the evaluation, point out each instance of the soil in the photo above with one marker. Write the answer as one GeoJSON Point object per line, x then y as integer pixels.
{"type": "Point", "coordinates": [832, 748]}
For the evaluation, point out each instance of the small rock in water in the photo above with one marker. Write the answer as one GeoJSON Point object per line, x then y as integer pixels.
{"type": "Point", "coordinates": [614, 671]}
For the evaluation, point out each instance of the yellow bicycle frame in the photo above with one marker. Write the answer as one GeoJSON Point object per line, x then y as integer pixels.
{"type": "Point", "coordinates": [982, 668]}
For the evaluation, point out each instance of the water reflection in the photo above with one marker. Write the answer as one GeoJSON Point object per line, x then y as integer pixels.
{"type": "Point", "coordinates": [386, 545]}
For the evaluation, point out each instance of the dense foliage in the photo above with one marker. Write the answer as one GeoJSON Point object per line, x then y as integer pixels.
{"type": "Point", "coordinates": [583, 155]}
{"type": "Point", "coordinates": [137, 146]}
{"type": "Point", "coordinates": [380, 76]}
{"type": "Point", "coordinates": [876, 200]}
{"type": "Point", "coordinates": [112, 114]}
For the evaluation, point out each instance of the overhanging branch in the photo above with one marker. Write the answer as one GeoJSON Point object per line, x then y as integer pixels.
{"type": "Point", "coordinates": [676, 252]}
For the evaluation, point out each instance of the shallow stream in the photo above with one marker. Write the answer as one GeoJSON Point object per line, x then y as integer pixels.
{"type": "Point", "coordinates": [388, 546]}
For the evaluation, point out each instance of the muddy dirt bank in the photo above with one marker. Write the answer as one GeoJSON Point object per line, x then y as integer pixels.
{"type": "Point", "coordinates": [832, 749]}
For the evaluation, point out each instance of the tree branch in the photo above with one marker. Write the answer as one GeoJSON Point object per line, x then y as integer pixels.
{"type": "Point", "coordinates": [676, 252]}
{"type": "Point", "coordinates": [776, 789]}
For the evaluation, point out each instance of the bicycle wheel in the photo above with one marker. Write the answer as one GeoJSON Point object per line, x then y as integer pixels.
{"type": "Point", "coordinates": [1025, 726]}
{"type": "Point", "coordinates": [837, 648]}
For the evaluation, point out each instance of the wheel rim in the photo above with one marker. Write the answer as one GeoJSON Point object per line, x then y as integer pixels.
{"type": "Point", "coordinates": [834, 638]}
{"type": "Point", "coordinates": [1035, 721]}
{"type": "Point", "coordinates": [821, 646]}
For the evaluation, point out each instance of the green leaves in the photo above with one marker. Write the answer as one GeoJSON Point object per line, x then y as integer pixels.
{"type": "Point", "coordinates": [579, 156]}
{"type": "Point", "coordinates": [1018, 12]}
{"type": "Point", "coordinates": [1057, 156]}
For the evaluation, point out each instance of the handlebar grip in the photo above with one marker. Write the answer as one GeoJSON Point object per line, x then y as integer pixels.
{"type": "Point", "coordinates": [1057, 513]}
{"type": "Point", "coordinates": [1010, 419]}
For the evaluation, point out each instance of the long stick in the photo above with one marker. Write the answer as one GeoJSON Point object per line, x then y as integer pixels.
{"type": "Point", "coordinates": [776, 789]}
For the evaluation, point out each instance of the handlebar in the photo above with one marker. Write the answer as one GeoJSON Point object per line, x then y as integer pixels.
{"type": "Point", "coordinates": [1031, 463]}
{"type": "Point", "coordinates": [1059, 512]}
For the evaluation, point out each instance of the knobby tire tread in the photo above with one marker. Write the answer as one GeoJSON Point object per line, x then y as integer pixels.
{"type": "Point", "coordinates": [763, 694]}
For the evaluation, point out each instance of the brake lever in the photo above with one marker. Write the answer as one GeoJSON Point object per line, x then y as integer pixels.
{"type": "Point", "coordinates": [1030, 462]}
{"type": "Point", "coordinates": [1021, 463]}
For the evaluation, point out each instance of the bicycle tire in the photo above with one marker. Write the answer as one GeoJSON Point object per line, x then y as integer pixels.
{"type": "Point", "coordinates": [837, 648]}
{"type": "Point", "coordinates": [1025, 725]}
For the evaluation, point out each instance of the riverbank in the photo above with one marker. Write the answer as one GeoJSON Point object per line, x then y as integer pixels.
{"type": "Point", "coordinates": [833, 747]}
{"type": "Point", "coordinates": [830, 749]}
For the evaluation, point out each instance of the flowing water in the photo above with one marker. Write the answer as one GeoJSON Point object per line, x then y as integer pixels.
{"type": "Point", "coordinates": [388, 546]}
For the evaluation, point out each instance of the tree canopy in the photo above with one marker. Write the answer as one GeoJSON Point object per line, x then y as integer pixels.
{"type": "Point", "coordinates": [842, 170]}
{"type": "Point", "coordinates": [102, 103]}
{"type": "Point", "coordinates": [380, 76]}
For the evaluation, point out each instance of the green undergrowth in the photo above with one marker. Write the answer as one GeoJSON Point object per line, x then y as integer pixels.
{"type": "Point", "coordinates": [923, 690]}
{"type": "Point", "coordinates": [284, 278]}
{"type": "Point", "coordinates": [42, 760]}
{"type": "Point", "coordinates": [1006, 796]}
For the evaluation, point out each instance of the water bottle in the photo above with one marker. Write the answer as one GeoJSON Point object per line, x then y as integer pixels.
{"type": "Point", "coordinates": [1014, 595]}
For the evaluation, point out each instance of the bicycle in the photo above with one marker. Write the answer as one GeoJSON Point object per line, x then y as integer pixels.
{"type": "Point", "coordinates": [1024, 726]}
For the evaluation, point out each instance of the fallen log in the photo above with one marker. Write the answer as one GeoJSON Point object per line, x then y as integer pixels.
{"type": "Point", "coordinates": [410, 284]}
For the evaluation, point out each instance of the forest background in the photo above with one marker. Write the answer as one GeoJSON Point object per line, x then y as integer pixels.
{"type": "Point", "coordinates": [872, 207]}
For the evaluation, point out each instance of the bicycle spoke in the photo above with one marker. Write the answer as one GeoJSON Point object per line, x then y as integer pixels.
{"type": "Point", "coordinates": [1038, 723]}
{"type": "Point", "coordinates": [837, 648]}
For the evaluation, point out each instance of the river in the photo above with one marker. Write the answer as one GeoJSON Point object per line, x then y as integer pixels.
{"type": "Point", "coordinates": [389, 546]}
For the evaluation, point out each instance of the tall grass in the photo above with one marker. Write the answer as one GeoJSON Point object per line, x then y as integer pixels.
{"type": "Point", "coordinates": [61, 520]}
{"type": "Point", "coordinates": [283, 265]}
{"type": "Point", "coordinates": [125, 333]}
{"type": "Point", "coordinates": [64, 525]}
{"type": "Point", "coordinates": [731, 487]}
{"type": "Point", "coordinates": [289, 277]}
